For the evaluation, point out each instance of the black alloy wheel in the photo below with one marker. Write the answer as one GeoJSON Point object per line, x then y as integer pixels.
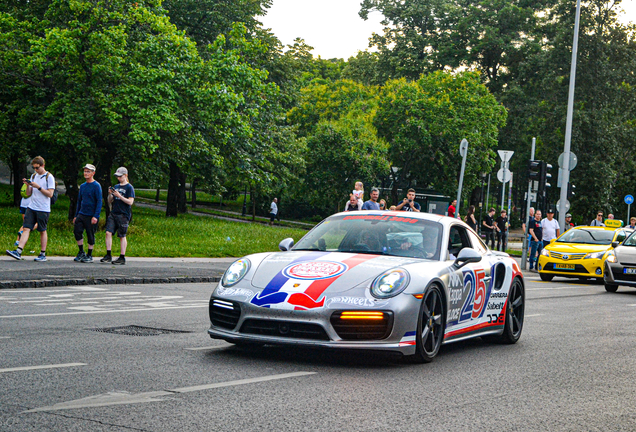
{"type": "Point", "coordinates": [514, 313]}
{"type": "Point", "coordinates": [430, 326]}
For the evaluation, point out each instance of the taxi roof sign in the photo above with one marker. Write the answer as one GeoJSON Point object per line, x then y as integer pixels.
{"type": "Point", "coordinates": [613, 223]}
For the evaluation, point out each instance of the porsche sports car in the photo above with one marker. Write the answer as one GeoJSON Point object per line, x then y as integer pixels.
{"type": "Point", "coordinates": [579, 252]}
{"type": "Point", "coordinates": [373, 280]}
{"type": "Point", "coordinates": [620, 264]}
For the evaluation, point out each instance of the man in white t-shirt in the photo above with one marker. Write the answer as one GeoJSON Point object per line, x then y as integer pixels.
{"type": "Point", "coordinates": [40, 188]}
{"type": "Point", "coordinates": [273, 211]}
{"type": "Point", "coordinates": [550, 227]}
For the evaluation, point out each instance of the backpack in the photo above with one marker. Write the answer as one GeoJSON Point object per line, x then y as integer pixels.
{"type": "Point", "coordinates": [23, 191]}
{"type": "Point", "coordinates": [55, 193]}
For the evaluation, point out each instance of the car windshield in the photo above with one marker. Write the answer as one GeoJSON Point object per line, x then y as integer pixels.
{"type": "Point", "coordinates": [375, 234]}
{"type": "Point", "coordinates": [587, 236]}
{"type": "Point", "coordinates": [631, 240]}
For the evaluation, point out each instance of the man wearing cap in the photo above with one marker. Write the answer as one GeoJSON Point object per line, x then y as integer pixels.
{"type": "Point", "coordinates": [121, 197]}
{"type": "Point", "coordinates": [568, 222]}
{"type": "Point", "coordinates": [89, 206]}
{"type": "Point", "coordinates": [550, 227]}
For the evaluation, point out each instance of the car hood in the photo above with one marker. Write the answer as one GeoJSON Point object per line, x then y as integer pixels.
{"type": "Point", "coordinates": [576, 248]}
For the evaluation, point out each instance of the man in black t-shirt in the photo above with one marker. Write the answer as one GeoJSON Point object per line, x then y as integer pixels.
{"type": "Point", "coordinates": [489, 228]}
{"type": "Point", "coordinates": [536, 242]}
{"type": "Point", "coordinates": [122, 197]}
{"type": "Point", "coordinates": [408, 203]}
{"type": "Point", "coordinates": [502, 232]}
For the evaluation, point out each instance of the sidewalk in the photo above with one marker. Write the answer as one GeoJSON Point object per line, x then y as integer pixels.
{"type": "Point", "coordinates": [62, 271]}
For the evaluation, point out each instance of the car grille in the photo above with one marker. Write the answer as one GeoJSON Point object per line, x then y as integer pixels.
{"type": "Point", "coordinates": [620, 276]}
{"type": "Point", "coordinates": [559, 255]}
{"type": "Point", "coordinates": [362, 329]}
{"type": "Point", "coordinates": [578, 268]}
{"type": "Point", "coordinates": [286, 329]}
{"type": "Point", "coordinates": [224, 313]}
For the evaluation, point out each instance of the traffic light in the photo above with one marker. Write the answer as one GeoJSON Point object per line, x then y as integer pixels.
{"type": "Point", "coordinates": [534, 170]}
{"type": "Point", "coordinates": [571, 193]}
{"type": "Point", "coordinates": [544, 176]}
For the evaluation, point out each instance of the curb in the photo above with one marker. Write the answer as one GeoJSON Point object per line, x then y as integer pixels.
{"type": "Point", "coordinates": [44, 283]}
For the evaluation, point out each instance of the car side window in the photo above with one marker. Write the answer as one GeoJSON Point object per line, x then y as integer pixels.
{"type": "Point", "coordinates": [457, 240]}
{"type": "Point", "coordinates": [621, 236]}
{"type": "Point", "coordinates": [477, 243]}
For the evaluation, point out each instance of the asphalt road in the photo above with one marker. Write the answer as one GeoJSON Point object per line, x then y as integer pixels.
{"type": "Point", "coordinates": [574, 369]}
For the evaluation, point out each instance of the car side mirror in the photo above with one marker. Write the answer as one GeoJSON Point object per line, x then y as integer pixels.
{"type": "Point", "coordinates": [286, 244]}
{"type": "Point", "coordinates": [615, 244]}
{"type": "Point", "coordinates": [467, 256]}
{"type": "Point", "coordinates": [552, 241]}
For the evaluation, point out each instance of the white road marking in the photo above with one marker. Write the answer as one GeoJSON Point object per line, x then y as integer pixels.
{"type": "Point", "coordinates": [124, 398]}
{"type": "Point", "coordinates": [100, 311]}
{"type": "Point", "coordinates": [533, 315]}
{"type": "Point", "coordinates": [209, 347]}
{"type": "Point", "coordinates": [5, 337]}
{"type": "Point", "coordinates": [53, 366]}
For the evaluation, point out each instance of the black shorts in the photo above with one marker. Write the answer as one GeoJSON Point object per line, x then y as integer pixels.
{"type": "Point", "coordinates": [83, 222]}
{"type": "Point", "coordinates": [31, 217]}
{"type": "Point", "coordinates": [272, 216]}
{"type": "Point", "coordinates": [23, 210]}
{"type": "Point", "coordinates": [117, 223]}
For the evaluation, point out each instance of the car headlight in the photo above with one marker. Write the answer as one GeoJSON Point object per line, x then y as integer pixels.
{"type": "Point", "coordinates": [235, 272]}
{"type": "Point", "coordinates": [594, 255]}
{"type": "Point", "coordinates": [611, 257]}
{"type": "Point", "coordinates": [390, 283]}
{"type": "Point", "coordinates": [545, 252]}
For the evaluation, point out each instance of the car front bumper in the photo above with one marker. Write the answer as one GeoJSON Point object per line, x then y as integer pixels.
{"type": "Point", "coordinates": [592, 268]}
{"type": "Point", "coordinates": [614, 275]}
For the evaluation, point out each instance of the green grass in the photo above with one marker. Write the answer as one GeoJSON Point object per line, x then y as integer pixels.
{"type": "Point", "coordinates": [151, 234]}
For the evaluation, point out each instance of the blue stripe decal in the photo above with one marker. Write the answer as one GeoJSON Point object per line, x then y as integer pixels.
{"type": "Point", "coordinates": [411, 333]}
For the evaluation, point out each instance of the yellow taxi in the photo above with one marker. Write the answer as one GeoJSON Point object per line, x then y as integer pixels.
{"type": "Point", "coordinates": [579, 252]}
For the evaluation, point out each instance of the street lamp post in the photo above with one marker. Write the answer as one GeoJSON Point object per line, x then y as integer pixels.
{"type": "Point", "coordinates": [565, 174]}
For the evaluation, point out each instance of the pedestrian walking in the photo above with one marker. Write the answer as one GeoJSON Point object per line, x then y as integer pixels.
{"type": "Point", "coordinates": [489, 228]}
{"type": "Point", "coordinates": [536, 233]}
{"type": "Point", "coordinates": [470, 218]}
{"type": "Point", "coordinates": [599, 219]}
{"type": "Point", "coordinates": [89, 206]}
{"type": "Point", "coordinates": [121, 197]}
{"type": "Point", "coordinates": [40, 187]}
{"type": "Point", "coordinates": [550, 227]}
{"type": "Point", "coordinates": [502, 231]}
{"type": "Point", "coordinates": [273, 211]}
{"type": "Point", "coordinates": [353, 204]}
{"type": "Point", "coordinates": [568, 222]}
{"type": "Point", "coordinates": [408, 203]}
{"type": "Point", "coordinates": [24, 203]}
{"type": "Point", "coordinates": [373, 204]}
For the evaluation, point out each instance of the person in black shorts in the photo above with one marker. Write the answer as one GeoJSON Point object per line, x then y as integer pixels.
{"type": "Point", "coordinates": [89, 205]}
{"type": "Point", "coordinates": [122, 197]}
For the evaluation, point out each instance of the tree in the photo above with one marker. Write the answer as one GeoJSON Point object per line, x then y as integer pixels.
{"type": "Point", "coordinates": [424, 122]}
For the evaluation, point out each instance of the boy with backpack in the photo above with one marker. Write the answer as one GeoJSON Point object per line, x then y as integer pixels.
{"type": "Point", "coordinates": [41, 189]}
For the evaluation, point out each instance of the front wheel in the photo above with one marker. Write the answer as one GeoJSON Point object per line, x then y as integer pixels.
{"type": "Point", "coordinates": [611, 288]}
{"type": "Point", "coordinates": [515, 308]}
{"type": "Point", "coordinates": [546, 277]}
{"type": "Point", "coordinates": [430, 326]}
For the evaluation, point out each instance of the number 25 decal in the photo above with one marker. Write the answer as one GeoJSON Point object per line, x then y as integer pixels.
{"type": "Point", "coordinates": [476, 299]}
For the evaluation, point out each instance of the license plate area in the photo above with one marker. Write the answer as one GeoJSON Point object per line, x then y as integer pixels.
{"type": "Point", "coordinates": [629, 270]}
{"type": "Point", "coordinates": [564, 266]}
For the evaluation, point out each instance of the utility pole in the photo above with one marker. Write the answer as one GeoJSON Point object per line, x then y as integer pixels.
{"type": "Point", "coordinates": [568, 125]}
{"type": "Point", "coordinates": [524, 253]}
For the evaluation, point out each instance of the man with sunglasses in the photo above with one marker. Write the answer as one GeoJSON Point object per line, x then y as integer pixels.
{"type": "Point", "coordinates": [40, 188]}
{"type": "Point", "coordinates": [599, 220]}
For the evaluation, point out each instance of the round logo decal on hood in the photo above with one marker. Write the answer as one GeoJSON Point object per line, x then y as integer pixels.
{"type": "Point", "coordinates": [315, 270]}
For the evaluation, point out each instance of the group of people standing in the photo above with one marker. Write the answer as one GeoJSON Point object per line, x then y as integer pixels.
{"type": "Point", "coordinates": [36, 208]}
{"type": "Point", "coordinates": [495, 229]}
{"type": "Point", "coordinates": [542, 231]}
{"type": "Point", "coordinates": [374, 203]}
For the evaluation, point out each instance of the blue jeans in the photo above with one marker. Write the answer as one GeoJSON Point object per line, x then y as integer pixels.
{"type": "Point", "coordinates": [535, 250]}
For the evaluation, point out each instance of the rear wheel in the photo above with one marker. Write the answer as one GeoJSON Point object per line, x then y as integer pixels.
{"type": "Point", "coordinates": [546, 277]}
{"type": "Point", "coordinates": [611, 288]}
{"type": "Point", "coordinates": [430, 326]}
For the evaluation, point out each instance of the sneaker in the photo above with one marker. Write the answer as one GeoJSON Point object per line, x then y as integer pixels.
{"type": "Point", "coordinates": [40, 258]}
{"type": "Point", "coordinates": [15, 254]}
{"type": "Point", "coordinates": [107, 258]}
{"type": "Point", "coordinates": [80, 256]}
{"type": "Point", "coordinates": [120, 261]}
{"type": "Point", "coordinates": [87, 259]}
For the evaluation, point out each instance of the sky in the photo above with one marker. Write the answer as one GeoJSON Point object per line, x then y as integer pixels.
{"type": "Point", "coordinates": [334, 28]}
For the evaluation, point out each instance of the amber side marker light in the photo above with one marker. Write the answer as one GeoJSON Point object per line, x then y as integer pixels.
{"type": "Point", "coordinates": [362, 315]}
{"type": "Point", "coordinates": [418, 296]}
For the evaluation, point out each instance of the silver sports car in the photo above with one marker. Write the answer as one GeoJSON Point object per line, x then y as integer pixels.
{"type": "Point", "coordinates": [374, 280]}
